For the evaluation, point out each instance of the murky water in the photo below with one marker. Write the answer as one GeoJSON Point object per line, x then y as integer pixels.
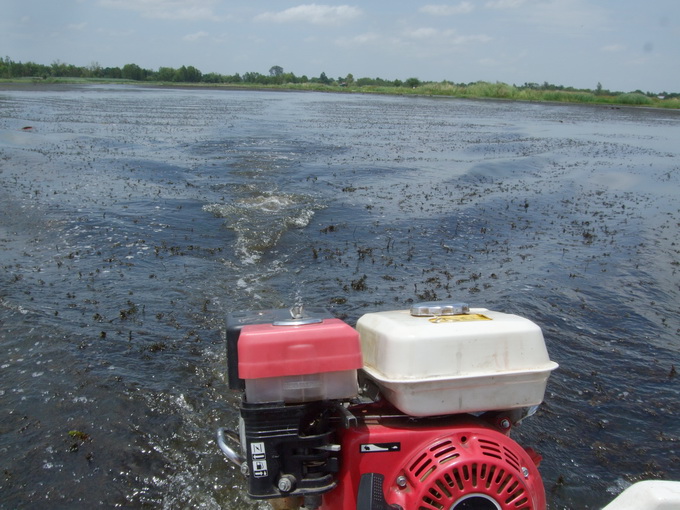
{"type": "Point", "coordinates": [134, 219]}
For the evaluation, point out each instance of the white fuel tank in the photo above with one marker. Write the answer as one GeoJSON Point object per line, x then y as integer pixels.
{"type": "Point", "coordinates": [440, 359]}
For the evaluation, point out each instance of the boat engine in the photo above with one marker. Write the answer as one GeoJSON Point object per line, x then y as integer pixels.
{"type": "Point", "coordinates": [412, 409]}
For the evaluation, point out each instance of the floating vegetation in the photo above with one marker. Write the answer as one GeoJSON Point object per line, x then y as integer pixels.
{"type": "Point", "coordinates": [79, 435]}
{"type": "Point", "coordinates": [359, 284]}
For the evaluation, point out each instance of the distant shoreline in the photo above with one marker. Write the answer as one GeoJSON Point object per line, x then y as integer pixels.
{"type": "Point", "coordinates": [478, 91]}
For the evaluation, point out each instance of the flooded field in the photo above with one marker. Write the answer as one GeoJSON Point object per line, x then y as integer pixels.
{"type": "Point", "coordinates": [133, 219]}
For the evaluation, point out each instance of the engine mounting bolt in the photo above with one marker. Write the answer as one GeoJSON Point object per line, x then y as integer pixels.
{"type": "Point", "coordinates": [285, 484]}
{"type": "Point", "coordinates": [401, 482]}
{"type": "Point", "coordinates": [525, 472]}
{"type": "Point", "coordinates": [505, 423]}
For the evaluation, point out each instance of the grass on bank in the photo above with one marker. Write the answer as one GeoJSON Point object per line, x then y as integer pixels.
{"type": "Point", "coordinates": [478, 90]}
{"type": "Point", "coordinates": [498, 90]}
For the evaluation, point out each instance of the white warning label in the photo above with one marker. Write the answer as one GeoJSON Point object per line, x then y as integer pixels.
{"type": "Point", "coordinates": [258, 455]}
{"type": "Point", "coordinates": [380, 447]}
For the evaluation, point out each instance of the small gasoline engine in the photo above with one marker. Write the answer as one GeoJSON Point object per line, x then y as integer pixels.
{"type": "Point", "coordinates": [411, 410]}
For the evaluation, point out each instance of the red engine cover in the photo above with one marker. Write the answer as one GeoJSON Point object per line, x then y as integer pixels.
{"type": "Point", "coordinates": [438, 467]}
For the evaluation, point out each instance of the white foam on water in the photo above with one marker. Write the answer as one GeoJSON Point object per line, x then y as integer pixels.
{"type": "Point", "coordinates": [261, 219]}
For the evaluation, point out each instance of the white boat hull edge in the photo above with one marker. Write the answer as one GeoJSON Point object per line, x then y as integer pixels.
{"type": "Point", "coordinates": [648, 495]}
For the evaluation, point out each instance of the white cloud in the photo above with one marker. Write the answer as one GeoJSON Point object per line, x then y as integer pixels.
{"type": "Point", "coordinates": [612, 48]}
{"type": "Point", "coordinates": [188, 10]}
{"type": "Point", "coordinates": [638, 61]}
{"type": "Point", "coordinates": [314, 14]}
{"type": "Point", "coordinates": [77, 26]}
{"type": "Point", "coordinates": [423, 37]}
{"type": "Point", "coordinates": [450, 36]}
{"type": "Point", "coordinates": [196, 36]}
{"type": "Point", "coordinates": [504, 4]}
{"type": "Point", "coordinates": [570, 17]}
{"type": "Point", "coordinates": [475, 38]}
{"type": "Point", "coordinates": [488, 62]}
{"type": "Point", "coordinates": [120, 34]}
{"type": "Point", "coordinates": [424, 33]}
{"type": "Point", "coordinates": [447, 10]}
{"type": "Point", "coordinates": [358, 40]}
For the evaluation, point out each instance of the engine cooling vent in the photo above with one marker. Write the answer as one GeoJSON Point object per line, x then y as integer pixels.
{"type": "Point", "coordinates": [477, 468]}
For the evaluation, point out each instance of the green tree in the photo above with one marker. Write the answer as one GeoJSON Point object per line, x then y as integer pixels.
{"type": "Point", "coordinates": [6, 67]}
{"type": "Point", "coordinates": [413, 83]}
{"type": "Point", "coordinates": [193, 74]}
{"type": "Point", "coordinates": [275, 71]}
{"type": "Point", "coordinates": [188, 74]}
{"type": "Point", "coordinates": [58, 68]}
{"type": "Point", "coordinates": [236, 78]}
{"type": "Point", "coordinates": [212, 78]}
{"type": "Point", "coordinates": [94, 70]}
{"type": "Point", "coordinates": [165, 74]}
{"type": "Point", "coordinates": [324, 79]}
{"type": "Point", "coordinates": [289, 78]}
{"type": "Point", "coordinates": [251, 77]}
{"type": "Point", "coordinates": [112, 72]}
{"type": "Point", "coordinates": [132, 72]}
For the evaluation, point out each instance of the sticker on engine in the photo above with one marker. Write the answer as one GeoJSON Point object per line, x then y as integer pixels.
{"type": "Point", "coordinates": [380, 447]}
{"type": "Point", "coordinates": [468, 317]}
{"type": "Point", "coordinates": [258, 453]}
{"type": "Point", "coordinates": [257, 449]}
{"type": "Point", "coordinates": [260, 468]}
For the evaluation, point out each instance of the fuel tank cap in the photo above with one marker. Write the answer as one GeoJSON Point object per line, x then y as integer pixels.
{"type": "Point", "coordinates": [298, 317]}
{"type": "Point", "coordinates": [436, 308]}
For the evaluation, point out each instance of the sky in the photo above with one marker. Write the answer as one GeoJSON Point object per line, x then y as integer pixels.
{"type": "Point", "coordinates": [624, 45]}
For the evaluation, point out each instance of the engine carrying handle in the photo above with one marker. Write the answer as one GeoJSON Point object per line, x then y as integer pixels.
{"type": "Point", "coordinates": [231, 454]}
{"type": "Point", "coordinates": [437, 308]}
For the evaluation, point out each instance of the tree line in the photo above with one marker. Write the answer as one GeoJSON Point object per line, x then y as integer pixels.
{"type": "Point", "coordinates": [10, 69]}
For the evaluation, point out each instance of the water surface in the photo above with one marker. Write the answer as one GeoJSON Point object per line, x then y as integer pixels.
{"type": "Point", "coordinates": [133, 219]}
